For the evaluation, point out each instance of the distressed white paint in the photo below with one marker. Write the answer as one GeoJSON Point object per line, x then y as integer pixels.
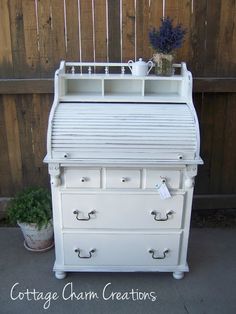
{"type": "Point", "coordinates": [108, 158]}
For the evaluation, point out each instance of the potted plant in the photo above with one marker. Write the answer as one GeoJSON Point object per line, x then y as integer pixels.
{"type": "Point", "coordinates": [31, 210]}
{"type": "Point", "coordinates": [164, 41]}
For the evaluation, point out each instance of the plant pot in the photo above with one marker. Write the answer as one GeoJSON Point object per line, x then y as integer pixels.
{"type": "Point", "coordinates": [163, 64]}
{"type": "Point", "coordinates": [37, 240]}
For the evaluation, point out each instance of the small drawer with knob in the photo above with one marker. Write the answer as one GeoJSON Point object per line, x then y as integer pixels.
{"type": "Point", "coordinates": [123, 178]}
{"type": "Point", "coordinates": [82, 178]}
{"type": "Point", "coordinates": [156, 177]}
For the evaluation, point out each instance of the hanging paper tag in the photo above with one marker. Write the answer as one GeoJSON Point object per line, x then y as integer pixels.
{"type": "Point", "coordinates": [163, 191]}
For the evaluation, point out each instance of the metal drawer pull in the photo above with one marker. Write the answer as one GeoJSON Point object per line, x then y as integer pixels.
{"type": "Point", "coordinates": [88, 256]}
{"type": "Point", "coordinates": [123, 179]}
{"type": "Point", "coordinates": [151, 251]}
{"type": "Point", "coordinates": [155, 214]}
{"type": "Point", "coordinates": [76, 212]}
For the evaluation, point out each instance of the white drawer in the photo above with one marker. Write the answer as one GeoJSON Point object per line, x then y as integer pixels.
{"type": "Point", "coordinates": [121, 249]}
{"type": "Point", "coordinates": [123, 178]}
{"type": "Point", "coordinates": [155, 177]}
{"type": "Point", "coordinates": [82, 178]}
{"type": "Point", "coordinates": [112, 210]}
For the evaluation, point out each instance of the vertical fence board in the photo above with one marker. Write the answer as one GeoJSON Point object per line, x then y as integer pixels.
{"type": "Point", "coordinates": [172, 9]}
{"type": "Point", "coordinates": [86, 24]}
{"type": "Point", "coordinates": [218, 139]}
{"type": "Point", "coordinates": [143, 49]}
{"type": "Point", "coordinates": [5, 37]}
{"type": "Point", "coordinates": [182, 14]}
{"type": "Point", "coordinates": [155, 13]}
{"type": "Point", "coordinates": [39, 121]}
{"type": "Point", "coordinates": [31, 38]}
{"type": "Point", "coordinates": [198, 37]}
{"type": "Point", "coordinates": [18, 39]}
{"type": "Point", "coordinates": [228, 148]}
{"type": "Point", "coordinates": [72, 26]}
{"type": "Point", "coordinates": [207, 125]}
{"type": "Point", "coordinates": [24, 115]}
{"type": "Point", "coordinates": [58, 32]}
{"type": "Point", "coordinates": [13, 140]}
{"type": "Point", "coordinates": [226, 48]}
{"type": "Point", "coordinates": [5, 170]}
{"type": "Point", "coordinates": [212, 36]}
{"type": "Point", "coordinates": [128, 33]}
{"type": "Point", "coordinates": [155, 16]}
{"type": "Point", "coordinates": [100, 31]}
{"type": "Point", "coordinates": [45, 37]}
{"type": "Point", "coordinates": [114, 47]}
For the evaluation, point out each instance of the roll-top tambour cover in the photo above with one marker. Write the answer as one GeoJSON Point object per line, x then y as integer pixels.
{"type": "Point", "coordinates": [123, 132]}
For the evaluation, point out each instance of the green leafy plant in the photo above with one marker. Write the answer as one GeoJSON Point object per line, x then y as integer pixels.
{"type": "Point", "coordinates": [32, 205]}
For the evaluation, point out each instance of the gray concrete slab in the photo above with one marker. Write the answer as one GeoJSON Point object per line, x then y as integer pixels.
{"type": "Point", "coordinates": [209, 288]}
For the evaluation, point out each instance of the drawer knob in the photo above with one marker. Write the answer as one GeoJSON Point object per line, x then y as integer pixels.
{"type": "Point", "coordinates": [123, 179]}
{"type": "Point", "coordinates": [76, 212]}
{"type": "Point", "coordinates": [156, 215]}
{"type": "Point", "coordinates": [85, 256]}
{"type": "Point", "coordinates": [152, 251]}
{"type": "Point", "coordinates": [84, 179]}
{"type": "Point", "coordinates": [163, 179]}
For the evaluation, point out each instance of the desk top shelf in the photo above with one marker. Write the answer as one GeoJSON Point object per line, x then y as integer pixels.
{"type": "Point", "coordinates": [85, 82]}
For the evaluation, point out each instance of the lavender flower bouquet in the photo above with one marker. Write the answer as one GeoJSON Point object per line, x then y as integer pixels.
{"type": "Point", "coordinates": [164, 41]}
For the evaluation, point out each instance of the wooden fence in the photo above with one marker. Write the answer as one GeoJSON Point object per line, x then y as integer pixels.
{"type": "Point", "coordinates": [36, 34]}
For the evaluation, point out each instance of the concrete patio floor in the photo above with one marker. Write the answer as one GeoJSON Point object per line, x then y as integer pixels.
{"type": "Point", "coordinates": [209, 287]}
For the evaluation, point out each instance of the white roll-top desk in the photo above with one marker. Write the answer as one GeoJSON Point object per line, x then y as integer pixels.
{"type": "Point", "coordinates": [122, 153]}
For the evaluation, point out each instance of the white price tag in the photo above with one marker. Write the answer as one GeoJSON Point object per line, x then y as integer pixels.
{"type": "Point", "coordinates": [163, 191]}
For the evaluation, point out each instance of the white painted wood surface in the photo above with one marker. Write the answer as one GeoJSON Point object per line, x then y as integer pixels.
{"type": "Point", "coordinates": [113, 141]}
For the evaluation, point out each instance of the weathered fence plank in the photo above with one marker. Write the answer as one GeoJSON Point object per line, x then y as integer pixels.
{"type": "Point", "coordinates": [32, 56]}
{"type": "Point", "coordinates": [72, 30]}
{"type": "Point", "coordinates": [45, 37]}
{"type": "Point", "coordinates": [18, 39]}
{"type": "Point", "coordinates": [100, 26]}
{"type": "Point", "coordinates": [114, 36]}
{"type": "Point", "coordinates": [86, 24]}
{"type": "Point", "coordinates": [6, 186]}
{"type": "Point", "coordinates": [5, 37]}
{"type": "Point", "coordinates": [13, 141]}
{"type": "Point", "coordinates": [128, 33]}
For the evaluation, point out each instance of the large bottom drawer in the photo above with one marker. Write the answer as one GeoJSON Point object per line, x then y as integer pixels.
{"type": "Point", "coordinates": [121, 249]}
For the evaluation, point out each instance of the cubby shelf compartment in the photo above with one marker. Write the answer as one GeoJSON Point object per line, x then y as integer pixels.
{"type": "Point", "coordinates": [124, 87]}
{"type": "Point", "coordinates": [155, 88]}
{"type": "Point", "coordinates": [83, 87]}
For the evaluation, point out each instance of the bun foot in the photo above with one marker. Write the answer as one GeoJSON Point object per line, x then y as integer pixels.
{"type": "Point", "coordinates": [178, 274]}
{"type": "Point", "coordinates": [60, 274]}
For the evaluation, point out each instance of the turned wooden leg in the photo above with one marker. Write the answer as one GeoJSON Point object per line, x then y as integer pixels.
{"type": "Point", "coordinates": [60, 274]}
{"type": "Point", "coordinates": [178, 274]}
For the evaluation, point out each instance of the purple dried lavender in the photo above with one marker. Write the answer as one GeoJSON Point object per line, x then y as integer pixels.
{"type": "Point", "coordinates": [168, 37]}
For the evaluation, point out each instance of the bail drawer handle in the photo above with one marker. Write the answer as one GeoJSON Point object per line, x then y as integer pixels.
{"type": "Point", "coordinates": [86, 256]}
{"type": "Point", "coordinates": [76, 212]}
{"type": "Point", "coordinates": [155, 214]}
{"type": "Point", "coordinates": [152, 251]}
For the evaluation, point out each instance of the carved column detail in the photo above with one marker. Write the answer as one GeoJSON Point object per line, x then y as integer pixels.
{"type": "Point", "coordinates": [54, 171]}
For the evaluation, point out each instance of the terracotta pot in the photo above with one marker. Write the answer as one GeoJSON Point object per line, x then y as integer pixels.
{"type": "Point", "coordinates": [35, 239]}
{"type": "Point", "coordinates": [163, 64]}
